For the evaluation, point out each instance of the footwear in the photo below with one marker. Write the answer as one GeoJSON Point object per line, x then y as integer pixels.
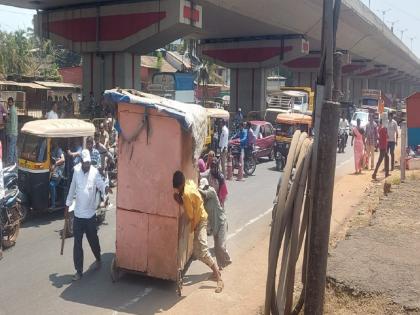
{"type": "Point", "coordinates": [220, 286]}
{"type": "Point", "coordinates": [98, 265]}
{"type": "Point", "coordinates": [374, 176]}
{"type": "Point", "coordinates": [77, 276]}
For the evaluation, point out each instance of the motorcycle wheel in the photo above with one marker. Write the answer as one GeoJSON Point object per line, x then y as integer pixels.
{"type": "Point", "coordinates": [10, 235]}
{"type": "Point", "coordinates": [279, 165]}
{"type": "Point", "coordinates": [250, 166]}
{"type": "Point", "coordinates": [24, 212]}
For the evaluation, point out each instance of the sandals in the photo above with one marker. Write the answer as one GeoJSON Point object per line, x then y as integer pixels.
{"type": "Point", "coordinates": [220, 286]}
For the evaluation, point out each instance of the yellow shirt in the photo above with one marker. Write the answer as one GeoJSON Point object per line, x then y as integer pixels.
{"type": "Point", "coordinates": [193, 204]}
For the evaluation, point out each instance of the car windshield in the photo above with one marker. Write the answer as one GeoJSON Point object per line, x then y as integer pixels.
{"type": "Point", "coordinates": [361, 115]}
{"type": "Point", "coordinates": [33, 148]}
{"type": "Point", "coordinates": [286, 129]}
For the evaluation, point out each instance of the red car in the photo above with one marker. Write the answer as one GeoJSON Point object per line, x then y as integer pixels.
{"type": "Point", "coordinates": [265, 134]}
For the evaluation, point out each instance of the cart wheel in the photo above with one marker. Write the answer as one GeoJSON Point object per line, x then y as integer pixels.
{"type": "Point", "coordinates": [179, 283]}
{"type": "Point", "coordinates": [115, 271]}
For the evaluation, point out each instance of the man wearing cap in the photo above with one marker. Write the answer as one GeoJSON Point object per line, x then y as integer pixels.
{"type": "Point", "coordinates": [86, 180]}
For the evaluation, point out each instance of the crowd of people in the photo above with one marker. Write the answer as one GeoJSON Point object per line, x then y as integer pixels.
{"type": "Point", "coordinates": [366, 141]}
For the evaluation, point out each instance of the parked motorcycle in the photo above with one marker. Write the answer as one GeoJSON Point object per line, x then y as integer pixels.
{"type": "Point", "coordinates": [10, 177]}
{"type": "Point", "coordinates": [342, 140]}
{"type": "Point", "coordinates": [10, 217]}
{"type": "Point", "coordinates": [250, 161]}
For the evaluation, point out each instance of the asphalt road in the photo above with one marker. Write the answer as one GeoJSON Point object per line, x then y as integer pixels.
{"type": "Point", "coordinates": [35, 279]}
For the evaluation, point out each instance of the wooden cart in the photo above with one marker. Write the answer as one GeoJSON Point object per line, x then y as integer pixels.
{"type": "Point", "coordinates": [153, 236]}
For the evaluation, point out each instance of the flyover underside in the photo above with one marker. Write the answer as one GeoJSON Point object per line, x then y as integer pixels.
{"type": "Point", "coordinates": [119, 30]}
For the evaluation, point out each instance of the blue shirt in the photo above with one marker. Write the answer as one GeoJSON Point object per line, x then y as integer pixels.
{"type": "Point", "coordinates": [243, 137]}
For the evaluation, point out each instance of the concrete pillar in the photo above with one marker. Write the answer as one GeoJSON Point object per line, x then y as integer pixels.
{"type": "Point", "coordinates": [248, 90]}
{"type": "Point", "coordinates": [347, 88]}
{"type": "Point", "coordinates": [365, 84]}
{"type": "Point", "coordinates": [109, 70]}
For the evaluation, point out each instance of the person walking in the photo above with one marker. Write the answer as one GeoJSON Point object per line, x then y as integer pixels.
{"type": "Point", "coordinates": [187, 195]}
{"type": "Point", "coordinates": [371, 141]}
{"type": "Point", "coordinates": [217, 222]}
{"type": "Point", "coordinates": [392, 138]}
{"type": "Point", "coordinates": [358, 143]}
{"type": "Point", "coordinates": [3, 118]}
{"type": "Point", "coordinates": [344, 126]}
{"type": "Point", "coordinates": [223, 145]}
{"type": "Point", "coordinates": [12, 132]}
{"type": "Point", "coordinates": [383, 150]}
{"type": "Point", "coordinates": [86, 180]}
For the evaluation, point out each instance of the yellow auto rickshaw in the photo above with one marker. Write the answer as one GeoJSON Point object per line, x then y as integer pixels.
{"type": "Point", "coordinates": [286, 125]}
{"type": "Point", "coordinates": [35, 160]}
{"type": "Point", "coordinates": [214, 116]}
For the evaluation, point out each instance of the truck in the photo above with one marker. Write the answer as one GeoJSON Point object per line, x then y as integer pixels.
{"type": "Point", "coordinates": [289, 100]}
{"type": "Point", "coordinates": [178, 86]}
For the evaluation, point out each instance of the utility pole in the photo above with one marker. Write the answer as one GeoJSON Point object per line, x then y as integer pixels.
{"type": "Point", "coordinates": [323, 163]}
{"type": "Point", "coordinates": [383, 14]}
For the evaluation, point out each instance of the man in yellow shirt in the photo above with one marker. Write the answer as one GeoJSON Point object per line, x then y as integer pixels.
{"type": "Point", "coordinates": [187, 195]}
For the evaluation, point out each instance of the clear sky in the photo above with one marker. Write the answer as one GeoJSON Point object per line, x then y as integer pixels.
{"type": "Point", "coordinates": [405, 14]}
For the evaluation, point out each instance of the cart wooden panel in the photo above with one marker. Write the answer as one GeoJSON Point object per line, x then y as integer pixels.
{"type": "Point", "coordinates": [153, 235]}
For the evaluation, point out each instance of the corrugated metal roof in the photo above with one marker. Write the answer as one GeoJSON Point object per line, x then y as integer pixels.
{"type": "Point", "coordinates": [151, 62]}
{"type": "Point", "coordinates": [52, 84]}
{"type": "Point", "coordinates": [24, 84]}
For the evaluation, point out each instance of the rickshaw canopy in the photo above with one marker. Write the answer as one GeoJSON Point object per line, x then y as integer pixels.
{"type": "Point", "coordinates": [294, 118]}
{"type": "Point", "coordinates": [218, 113]}
{"type": "Point", "coordinates": [59, 128]}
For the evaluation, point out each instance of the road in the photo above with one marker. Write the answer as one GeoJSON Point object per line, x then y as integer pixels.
{"type": "Point", "coordinates": [35, 279]}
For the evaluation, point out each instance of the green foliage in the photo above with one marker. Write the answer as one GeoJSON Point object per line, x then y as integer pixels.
{"type": "Point", "coordinates": [22, 53]}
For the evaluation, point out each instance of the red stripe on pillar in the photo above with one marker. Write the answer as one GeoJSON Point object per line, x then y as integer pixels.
{"type": "Point", "coordinates": [253, 89]}
{"type": "Point", "coordinates": [132, 69]}
{"type": "Point", "coordinates": [237, 89]}
{"type": "Point", "coordinates": [91, 72]}
{"type": "Point", "coordinates": [113, 70]}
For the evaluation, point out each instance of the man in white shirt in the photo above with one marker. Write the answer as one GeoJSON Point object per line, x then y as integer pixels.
{"type": "Point", "coordinates": [86, 180]}
{"type": "Point", "coordinates": [52, 114]}
{"type": "Point", "coordinates": [344, 125]}
{"type": "Point", "coordinates": [392, 129]}
{"type": "Point", "coordinates": [223, 145]}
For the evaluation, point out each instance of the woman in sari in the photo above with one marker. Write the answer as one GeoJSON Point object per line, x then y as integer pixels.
{"type": "Point", "coordinates": [358, 143]}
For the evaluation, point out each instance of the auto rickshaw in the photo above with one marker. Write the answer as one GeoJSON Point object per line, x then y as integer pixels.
{"type": "Point", "coordinates": [35, 160]}
{"type": "Point", "coordinates": [286, 125]}
{"type": "Point", "coordinates": [214, 115]}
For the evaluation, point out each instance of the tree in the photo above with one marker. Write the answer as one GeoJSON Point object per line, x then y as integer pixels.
{"type": "Point", "coordinates": [22, 53]}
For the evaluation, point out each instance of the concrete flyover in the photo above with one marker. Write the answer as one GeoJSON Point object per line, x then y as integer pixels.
{"type": "Point", "coordinates": [247, 36]}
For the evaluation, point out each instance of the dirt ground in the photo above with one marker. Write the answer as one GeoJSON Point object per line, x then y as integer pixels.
{"type": "Point", "coordinates": [376, 268]}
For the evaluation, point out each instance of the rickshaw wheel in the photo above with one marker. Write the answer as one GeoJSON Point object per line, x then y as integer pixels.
{"type": "Point", "coordinates": [115, 271]}
{"type": "Point", "coordinates": [179, 281]}
{"type": "Point", "coordinates": [9, 238]}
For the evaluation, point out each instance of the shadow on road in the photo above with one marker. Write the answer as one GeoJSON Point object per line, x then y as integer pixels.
{"type": "Point", "coordinates": [39, 219]}
{"type": "Point", "coordinates": [132, 294]}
